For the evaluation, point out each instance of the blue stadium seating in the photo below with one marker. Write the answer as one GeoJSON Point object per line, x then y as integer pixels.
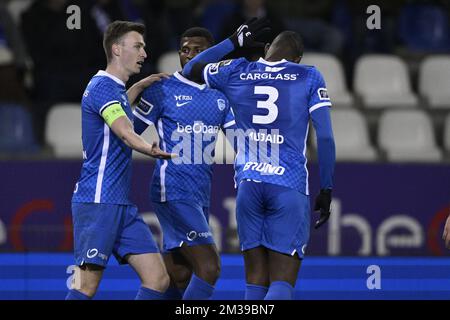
{"type": "Point", "coordinates": [16, 130]}
{"type": "Point", "coordinates": [424, 28]}
{"type": "Point", "coordinates": [214, 15]}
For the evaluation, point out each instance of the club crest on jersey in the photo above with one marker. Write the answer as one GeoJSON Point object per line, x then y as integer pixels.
{"type": "Point", "coordinates": [323, 94]}
{"type": "Point", "coordinates": [221, 104]}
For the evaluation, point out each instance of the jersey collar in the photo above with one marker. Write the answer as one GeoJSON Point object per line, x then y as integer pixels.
{"type": "Point", "coordinates": [271, 63]}
{"type": "Point", "coordinates": [103, 73]}
{"type": "Point", "coordinates": [180, 77]}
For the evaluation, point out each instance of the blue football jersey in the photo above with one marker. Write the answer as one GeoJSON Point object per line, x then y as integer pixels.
{"type": "Point", "coordinates": [272, 102]}
{"type": "Point", "coordinates": [106, 171]}
{"type": "Point", "coordinates": [188, 117]}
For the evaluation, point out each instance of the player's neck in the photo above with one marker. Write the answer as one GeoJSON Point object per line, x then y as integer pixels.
{"type": "Point", "coordinates": [273, 58]}
{"type": "Point", "coordinates": [118, 72]}
{"type": "Point", "coordinates": [277, 58]}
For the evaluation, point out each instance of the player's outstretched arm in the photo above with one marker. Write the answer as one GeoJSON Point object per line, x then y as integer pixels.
{"type": "Point", "coordinates": [137, 88]}
{"type": "Point", "coordinates": [123, 128]}
{"type": "Point", "coordinates": [245, 36]}
{"type": "Point", "coordinates": [446, 234]}
{"type": "Point", "coordinates": [327, 157]}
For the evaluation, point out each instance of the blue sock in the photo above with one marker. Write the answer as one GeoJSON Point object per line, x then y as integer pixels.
{"type": "Point", "coordinates": [77, 295]}
{"type": "Point", "coordinates": [280, 290]}
{"type": "Point", "coordinates": [255, 292]}
{"type": "Point", "coordinates": [198, 289]}
{"type": "Point", "coordinates": [172, 293]}
{"type": "Point", "coordinates": [148, 294]}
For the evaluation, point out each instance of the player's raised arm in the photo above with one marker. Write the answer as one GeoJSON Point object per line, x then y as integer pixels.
{"type": "Point", "coordinates": [319, 110]}
{"type": "Point", "coordinates": [119, 123]}
{"type": "Point", "coordinates": [245, 36]}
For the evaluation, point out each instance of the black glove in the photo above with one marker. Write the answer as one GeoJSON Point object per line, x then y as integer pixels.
{"type": "Point", "coordinates": [246, 34]}
{"type": "Point", "coordinates": [323, 201]}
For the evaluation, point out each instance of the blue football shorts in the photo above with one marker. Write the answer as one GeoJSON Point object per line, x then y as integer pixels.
{"type": "Point", "coordinates": [101, 229]}
{"type": "Point", "coordinates": [183, 221]}
{"type": "Point", "coordinates": [272, 216]}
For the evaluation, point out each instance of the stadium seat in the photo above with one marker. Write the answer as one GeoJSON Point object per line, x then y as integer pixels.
{"type": "Point", "coordinates": [408, 136]}
{"type": "Point", "coordinates": [17, 7]}
{"type": "Point", "coordinates": [447, 134]}
{"type": "Point", "coordinates": [383, 81]}
{"type": "Point", "coordinates": [6, 56]}
{"type": "Point", "coordinates": [434, 77]}
{"type": "Point", "coordinates": [169, 62]}
{"type": "Point", "coordinates": [214, 14]}
{"type": "Point", "coordinates": [333, 73]}
{"type": "Point", "coordinates": [63, 130]}
{"type": "Point", "coordinates": [16, 130]}
{"type": "Point", "coordinates": [424, 28]}
{"type": "Point", "coordinates": [351, 136]}
{"type": "Point", "coordinates": [149, 135]}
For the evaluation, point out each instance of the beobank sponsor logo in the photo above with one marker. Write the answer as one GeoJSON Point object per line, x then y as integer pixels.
{"type": "Point", "coordinates": [398, 231]}
{"type": "Point", "coordinates": [197, 127]}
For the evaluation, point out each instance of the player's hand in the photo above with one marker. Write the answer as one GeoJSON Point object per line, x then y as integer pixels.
{"type": "Point", "coordinates": [323, 202]}
{"type": "Point", "coordinates": [446, 234]}
{"type": "Point", "coordinates": [148, 81]}
{"type": "Point", "coordinates": [247, 33]}
{"type": "Point", "coordinates": [156, 152]}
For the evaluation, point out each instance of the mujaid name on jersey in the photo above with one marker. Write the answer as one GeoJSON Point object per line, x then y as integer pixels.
{"type": "Point", "coordinates": [264, 137]}
{"type": "Point", "coordinates": [265, 168]}
{"type": "Point", "coordinates": [269, 76]}
{"type": "Point", "coordinates": [197, 127]}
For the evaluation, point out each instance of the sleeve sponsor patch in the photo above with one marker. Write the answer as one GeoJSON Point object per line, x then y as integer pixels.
{"type": "Point", "coordinates": [323, 94]}
{"type": "Point", "coordinates": [144, 107]}
{"type": "Point", "coordinates": [214, 67]}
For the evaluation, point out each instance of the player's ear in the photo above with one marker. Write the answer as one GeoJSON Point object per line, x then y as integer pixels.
{"type": "Point", "coordinates": [298, 59]}
{"type": "Point", "coordinates": [116, 49]}
{"type": "Point", "coordinates": [266, 48]}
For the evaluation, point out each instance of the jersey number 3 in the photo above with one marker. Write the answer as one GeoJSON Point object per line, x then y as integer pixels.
{"type": "Point", "coordinates": [268, 104]}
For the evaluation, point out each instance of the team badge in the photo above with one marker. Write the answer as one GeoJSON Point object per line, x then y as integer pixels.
{"type": "Point", "coordinates": [221, 104]}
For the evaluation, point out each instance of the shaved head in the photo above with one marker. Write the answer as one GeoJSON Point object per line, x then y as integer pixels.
{"type": "Point", "coordinates": [287, 45]}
